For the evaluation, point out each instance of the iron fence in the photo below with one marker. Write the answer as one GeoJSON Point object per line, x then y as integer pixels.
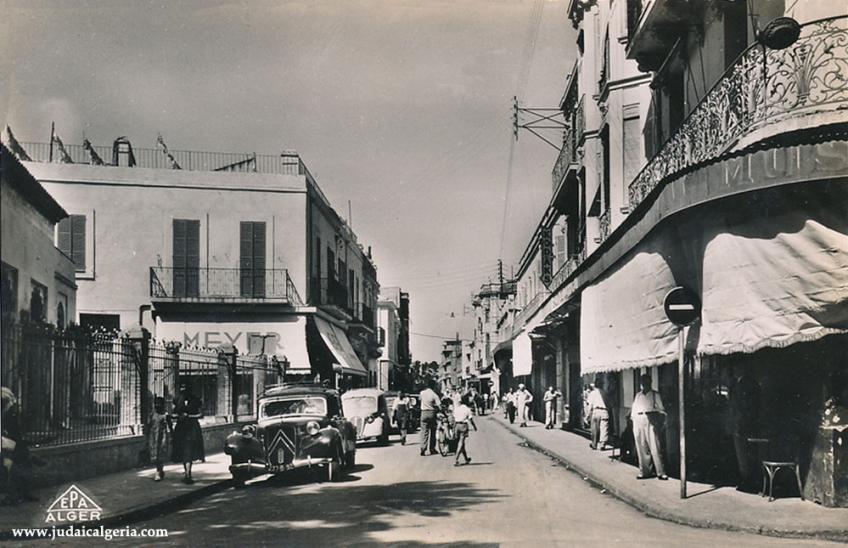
{"type": "Point", "coordinates": [286, 163]}
{"type": "Point", "coordinates": [71, 386]}
{"type": "Point", "coordinates": [222, 284]}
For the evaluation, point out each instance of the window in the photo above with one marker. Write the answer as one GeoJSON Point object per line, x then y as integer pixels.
{"type": "Point", "coordinates": [632, 151]}
{"type": "Point", "coordinates": [71, 239]}
{"type": "Point", "coordinates": [61, 310]}
{"type": "Point", "coordinates": [108, 322]}
{"type": "Point", "coordinates": [8, 292]}
{"type": "Point", "coordinates": [186, 257]}
{"type": "Point", "coordinates": [252, 259]}
{"type": "Point", "coordinates": [38, 302]}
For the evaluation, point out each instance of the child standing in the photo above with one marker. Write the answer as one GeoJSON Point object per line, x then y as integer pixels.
{"type": "Point", "coordinates": [159, 431]}
{"type": "Point", "coordinates": [463, 417]}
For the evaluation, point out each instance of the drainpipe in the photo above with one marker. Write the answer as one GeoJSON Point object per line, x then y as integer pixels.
{"type": "Point", "coordinates": [141, 310]}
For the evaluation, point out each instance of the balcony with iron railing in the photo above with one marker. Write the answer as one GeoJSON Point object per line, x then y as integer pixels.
{"type": "Point", "coordinates": [364, 314]}
{"type": "Point", "coordinates": [566, 161]}
{"type": "Point", "coordinates": [285, 163]}
{"type": "Point", "coordinates": [532, 306]}
{"type": "Point", "coordinates": [330, 292]}
{"type": "Point", "coordinates": [214, 285]}
{"type": "Point", "coordinates": [764, 92]}
{"type": "Point", "coordinates": [604, 225]}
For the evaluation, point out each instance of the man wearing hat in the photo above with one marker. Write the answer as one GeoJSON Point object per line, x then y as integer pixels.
{"type": "Point", "coordinates": [648, 414]}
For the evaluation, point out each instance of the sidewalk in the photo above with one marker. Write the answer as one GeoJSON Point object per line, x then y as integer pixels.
{"type": "Point", "coordinates": [125, 496]}
{"type": "Point", "coordinates": [706, 505]}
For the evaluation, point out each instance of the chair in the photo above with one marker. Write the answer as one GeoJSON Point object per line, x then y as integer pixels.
{"type": "Point", "coordinates": [771, 468]}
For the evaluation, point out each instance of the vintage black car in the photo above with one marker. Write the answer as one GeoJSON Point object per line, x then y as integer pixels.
{"type": "Point", "coordinates": [297, 426]}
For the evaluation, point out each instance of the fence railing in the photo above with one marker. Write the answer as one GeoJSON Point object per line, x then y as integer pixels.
{"type": "Point", "coordinates": [330, 292]}
{"type": "Point", "coordinates": [193, 284]}
{"type": "Point", "coordinates": [75, 386]}
{"type": "Point", "coordinates": [71, 387]}
{"type": "Point", "coordinates": [763, 87]}
{"type": "Point", "coordinates": [286, 163]}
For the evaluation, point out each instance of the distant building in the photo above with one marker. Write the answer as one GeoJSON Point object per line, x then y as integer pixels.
{"type": "Point", "coordinates": [493, 306]}
{"type": "Point", "coordinates": [37, 278]}
{"type": "Point", "coordinates": [450, 370]}
{"type": "Point", "coordinates": [231, 249]}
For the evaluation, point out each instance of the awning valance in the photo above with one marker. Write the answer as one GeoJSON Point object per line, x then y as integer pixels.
{"type": "Point", "coordinates": [764, 281]}
{"type": "Point", "coordinates": [338, 343]}
{"type": "Point", "coordinates": [622, 321]}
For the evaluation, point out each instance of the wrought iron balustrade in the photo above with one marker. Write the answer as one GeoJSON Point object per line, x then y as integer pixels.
{"type": "Point", "coordinates": [330, 292]}
{"type": "Point", "coordinates": [567, 269]}
{"type": "Point", "coordinates": [213, 284]}
{"type": "Point", "coordinates": [580, 128]}
{"type": "Point", "coordinates": [288, 163]}
{"type": "Point", "coordinates": [567, 157]}
{"type": "Point", "coordinates": [763, 87]}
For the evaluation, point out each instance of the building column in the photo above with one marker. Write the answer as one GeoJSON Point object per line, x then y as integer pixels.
{"type": "Point", "coordinates": [561, 380]}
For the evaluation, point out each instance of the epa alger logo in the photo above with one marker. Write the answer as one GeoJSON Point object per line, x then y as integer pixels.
{"type": "Point", "coordinates": [73, 506]}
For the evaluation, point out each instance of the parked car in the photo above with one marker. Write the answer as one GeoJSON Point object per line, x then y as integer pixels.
{"type": "Point", "coordinates": [367, 410]}
{"type": "Point", "coordinates": [296, 426]}
{"type": "Point", "coordinates": [414, 412]}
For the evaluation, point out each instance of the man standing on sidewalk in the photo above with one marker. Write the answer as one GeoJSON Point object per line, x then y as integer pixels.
{"type": "Point", "coordinates": [598, 417]}
{"type": "Point", "coordinates": [429, 406]}
{"type": "Point", "coordinates": [550, 400]}
{"type": "Point", "coordinates": [523, 399]}
{"type": "Point", "coordinates": [648, 414]}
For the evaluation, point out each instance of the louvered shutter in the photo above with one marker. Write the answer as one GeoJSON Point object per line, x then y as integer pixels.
{"type": "Point", "coordinates": [78, 241]}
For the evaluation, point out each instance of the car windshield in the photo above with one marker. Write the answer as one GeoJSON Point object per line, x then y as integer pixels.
{"type": "Point", "coordinates": [359, 406]}
{"type": "Point", "coordinates": [295, 405]}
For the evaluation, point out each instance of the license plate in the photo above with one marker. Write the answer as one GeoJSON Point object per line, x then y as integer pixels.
{"type": "Point", "coordinates": [280, 467]}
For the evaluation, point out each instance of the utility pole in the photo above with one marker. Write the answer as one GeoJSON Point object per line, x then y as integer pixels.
{"type": "Point", "coordinates": [500, 271]}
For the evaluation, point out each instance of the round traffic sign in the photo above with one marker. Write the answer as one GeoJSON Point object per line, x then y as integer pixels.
{"type": "Point", "coordinates": [682, 306]}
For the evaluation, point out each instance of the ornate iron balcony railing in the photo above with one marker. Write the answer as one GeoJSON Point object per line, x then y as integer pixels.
{"type": "Point", "coordinates": [567, 157]}
{"type": "Point", "coordinates": [604, 225]}
{"type": "Point", "coordinates": [221, 284]}
{"type": "Point", "coordinates": [567, 269]}
{"type": "Point", "coordinates": [764, 87]}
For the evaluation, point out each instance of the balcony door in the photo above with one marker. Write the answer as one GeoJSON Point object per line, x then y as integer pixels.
{"type": "Point", "coordinates": [186, 258]}
{"type": "Point", "coordinates": [252, 259]}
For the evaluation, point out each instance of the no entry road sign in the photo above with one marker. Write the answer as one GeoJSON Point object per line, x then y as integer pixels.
{"type": "Point", "coordinates": [682, 306]}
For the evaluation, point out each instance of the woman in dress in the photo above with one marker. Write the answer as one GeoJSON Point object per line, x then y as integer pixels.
{"type": "Point", "coordinates": [188, 437]}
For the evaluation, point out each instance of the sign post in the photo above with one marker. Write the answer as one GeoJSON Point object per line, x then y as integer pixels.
{"type": "Point", "coordinates": [682, 308]}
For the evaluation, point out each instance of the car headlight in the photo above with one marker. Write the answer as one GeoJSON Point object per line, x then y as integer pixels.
{"type": "Point", "coordinates": [312, 428]}
{"type": "Point", "coordinates": [369, 418]}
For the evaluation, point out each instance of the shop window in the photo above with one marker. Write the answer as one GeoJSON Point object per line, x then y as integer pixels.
{"type": "Point", "coordinates": [106, 322]}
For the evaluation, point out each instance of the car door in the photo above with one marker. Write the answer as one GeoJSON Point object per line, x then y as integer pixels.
{"type": "Point", "coordinates": [343, 425]}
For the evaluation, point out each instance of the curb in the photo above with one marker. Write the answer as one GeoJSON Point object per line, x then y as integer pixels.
{"type": "Point", "coordinates": [140, 512]}
{"type": "Point", "coordinates": [838, 535]}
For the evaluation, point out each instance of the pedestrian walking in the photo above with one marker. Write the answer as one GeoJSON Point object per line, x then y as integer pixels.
{"type": "Point", "coordinates": [494, 401]}
{"type": "Point", "coordinates": [648, 415]}
{"type": "Point", "coordinates": [598, 416]}
{"type": "Point", "coordinates": [159, 429]}
{"type": "Point", "coordinates": [485, 406]}
{"type": "Point", "coordinates": [463, 418]}
{"type": "Point", "coordinates": [400, 412]}
{"type": "Point", "coordinates": [188, 437]}
{"type": "Point", "coordinates": [510, 406]}
{"type": "Point", "coordinates": [523, 399]}
{"type": "Point", "coordinates": [550, 399]}
{"type": "Point", "coordinates": [430, 403]}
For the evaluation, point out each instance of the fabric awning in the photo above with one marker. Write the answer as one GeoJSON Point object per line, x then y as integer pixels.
{"type": "Point", "coordinates": [501, 346]}
{"type": "Point", "coordinates": [622, 321]}
{"type": "Point", "coordinates": [522, 354]}
{"type": "Point", "coordinates": [338, 343]}
{"type": "Point", "coordinates": [763, 281]}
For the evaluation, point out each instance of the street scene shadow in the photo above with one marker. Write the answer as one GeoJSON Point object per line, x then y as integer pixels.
{"type": "Point", "coordinates": [347, 517]}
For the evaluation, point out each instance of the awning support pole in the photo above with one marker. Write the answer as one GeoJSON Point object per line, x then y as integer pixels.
{"type": "Point", "coordinates": [681, 385]}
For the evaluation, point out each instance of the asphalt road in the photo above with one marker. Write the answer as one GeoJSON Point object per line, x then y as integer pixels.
{"type": "Point", "coordinates": [508, 495]}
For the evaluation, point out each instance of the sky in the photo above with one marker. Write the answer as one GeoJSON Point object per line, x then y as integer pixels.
{"type": "Point", "coordinates": [401, 107]}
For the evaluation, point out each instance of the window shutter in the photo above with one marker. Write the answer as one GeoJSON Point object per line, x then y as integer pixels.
{"type": "Point", "coordinates": [78, 241]}
{"type": "Point", "coordinates": [63, 240]}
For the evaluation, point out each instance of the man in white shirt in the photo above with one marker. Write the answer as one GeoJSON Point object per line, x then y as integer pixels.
{"type": "Point", "coordinates": [463, 417]}
{"type": "Point", "coordinates": [647, 413]}
{"type": "Point", "coordinates": [598, 417]}
{"type": "Point", "coordinates": [430, 404]}
{"type": "Point", "coordinates": [523, 399]}
{"type": "Point", "coordinates": [550, 399]}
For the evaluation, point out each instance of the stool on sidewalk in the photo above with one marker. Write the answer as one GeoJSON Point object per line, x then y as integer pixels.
{"type": "Point", "coordinates": [771, 468]}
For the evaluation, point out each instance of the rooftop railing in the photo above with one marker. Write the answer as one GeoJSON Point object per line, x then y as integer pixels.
{"type": "Point", "coordinates": [286, 163]}
{"type": "Point", "coordinates": [763, 87]}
